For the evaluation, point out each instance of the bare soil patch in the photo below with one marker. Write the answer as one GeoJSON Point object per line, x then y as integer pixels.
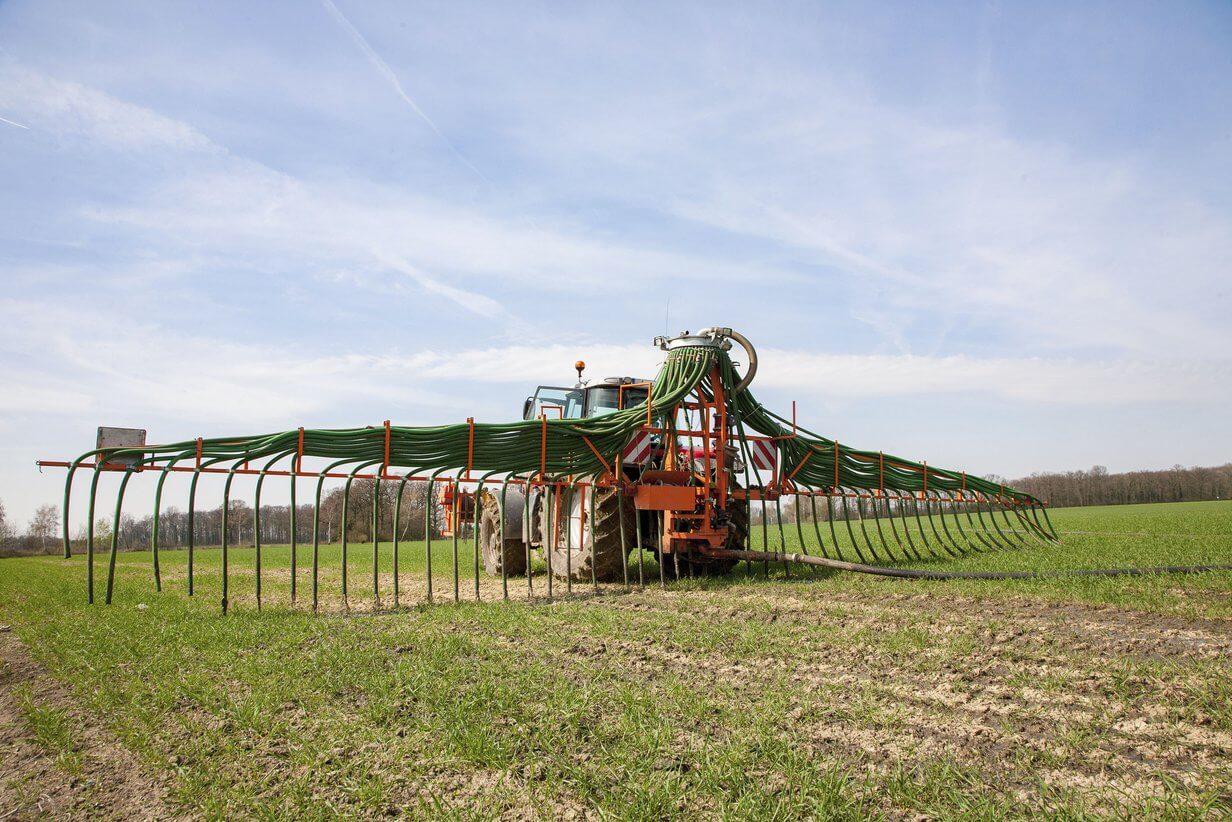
{"type": "Point", "coordinates": [1063, 694]}
{"type": "Point", "coordinates": [94, 777]}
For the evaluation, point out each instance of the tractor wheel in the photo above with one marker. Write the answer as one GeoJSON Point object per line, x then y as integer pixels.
{"type": "Point", "coordinates": [594, 544]}
{"type": "Point", "coordinates": [510, 554]}
{"type": "Point", "coordinates": [701, 566]}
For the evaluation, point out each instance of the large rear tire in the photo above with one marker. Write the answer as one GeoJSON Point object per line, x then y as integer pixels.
{"type": "Point", "coordinates": [509, 554]}
{"type": "Point", "coordinates": [594, 543]}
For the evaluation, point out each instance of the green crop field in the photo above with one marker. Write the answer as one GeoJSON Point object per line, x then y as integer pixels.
{"type": "Point", "coordinates": [766, 694]}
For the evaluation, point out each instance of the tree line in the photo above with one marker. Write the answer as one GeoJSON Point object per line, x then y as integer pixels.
{"type": "Point", "coordinates": [136, 533]}
{"type": "Point", "coordinates": [1099, 487]}
{"type": "Point", "coordinates": [1063, 489]}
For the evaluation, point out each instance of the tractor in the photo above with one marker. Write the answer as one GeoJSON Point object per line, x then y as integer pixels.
{"type": "Point", "coordinates": [580, 546]}
{"type": "Point", "coordinates": [594, 472]}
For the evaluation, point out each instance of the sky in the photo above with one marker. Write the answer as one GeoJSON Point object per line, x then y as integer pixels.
{"type": "Point", "coordinates": [994, 236]}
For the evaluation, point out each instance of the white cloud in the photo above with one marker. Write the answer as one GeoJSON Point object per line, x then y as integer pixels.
{"type": "Point", "coordinates": [70, 110]}
{"type": "Point", "coordinates": [928, 224]}
{"type": "Point", "coordinates": [1034, 379]}
{"type": "Point", "coordinates": [146, 369]}
{"type": "Point", "coordinates": [263, 218]}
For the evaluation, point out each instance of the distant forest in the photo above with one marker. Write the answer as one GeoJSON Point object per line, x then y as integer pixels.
{"type": "Point", "coordinates": [1098, 487]}
{"type": "Point", "coordinates": [43, 533]}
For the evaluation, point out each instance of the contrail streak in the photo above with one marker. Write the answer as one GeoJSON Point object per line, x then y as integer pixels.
{"type": "Point", "coordinates": [388, 73]}
{"type": "Point", "coordinates": [11, 123]}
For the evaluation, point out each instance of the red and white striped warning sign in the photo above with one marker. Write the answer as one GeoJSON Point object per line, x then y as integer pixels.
{"type": "Point", "coordinates": [765, 454]}
{"type": "Point", "coordinates": [638, 450]}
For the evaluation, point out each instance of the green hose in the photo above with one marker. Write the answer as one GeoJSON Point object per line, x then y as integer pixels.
{"type": "Point", "coordinates": [563, 450]}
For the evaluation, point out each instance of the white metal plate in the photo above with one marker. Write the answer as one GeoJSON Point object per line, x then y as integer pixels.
{"type": "Point", "coordinates": [109, 437]}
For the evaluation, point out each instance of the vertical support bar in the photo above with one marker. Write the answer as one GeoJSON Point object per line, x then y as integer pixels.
{"type": "Point", "coordinates": [864, 528]}
{"type": "Point", "coordinates": [385, 462]}
{"type": "Point", "coordinates": [872, 504]}
{"type": "Point", "coordinates": [504, 565]}
{"type": "Point", "coordinates": [941, 516]}
{"type": "Point", "coordinates": [1047, 519]}
{"type": "Point", "coordinates": [837, 484]}
{"type": "Point", "coordinates": [990, 528]}
{"type": "Point", "coordinates": [428, 526]}
{"type": "Point", "coordinates": [658, 518]}
{"type": "Point", "coordinates": [316, 540]}
{"type": "Point", "coordinates": [594, 574]}
{"type": "Point", "coordinates": [919, 522]}
{"type": "Point", "coordinates": [397, 522]}
{"type": "Point", "coordinates": [376, 527]}
{"type": "Point", "coordinates": [297, 465]}
{"type": "Point", "coordinates": [765, 532]}
{"type": "Point", "coordinates": [475, 530]}
{"type": "Point", "coordinates": [928, 509]}
{"type": "Point", "coordinates": [908, 549]}
{"type": "Point", "coordinates": [527, 531]}
{"type": "Point", "coordinates": [192, 524]}
{"type": "Point", "coordinates": [838, 548]}
{"type": "Point", "coordinates": [428, 533]}
{"type": "Point", "coordinates": [543, 444]}
{"type": "Point", "coordinates": [641, 555]}
{"type": "Point", "coordinates": [154, 534]}
{"type": "Point", "coordinates": [115, 535]}
{"type": "Point", "coordinates": [256, 531]}
{"type": "Point", "coordinates": [902, 515]}
{"type": "Point", "coordinates": [549, 539]}
{"type": "Point", "coordinates": [470, 445]}
{"type": "Point", "coordinates": [821, 543]}
{"type": "Point", "coordinates": [475, 518]}
{"type": "Point", "coordinates": [958, 508]}
{"type": "Point", "coordinates": [346, 510]}
{"type": "Point", "coordinates": [226, 510]}
{"type": "Point", "coordinates": [778, 516]}
{"type": "Point", "coordinates": [800, 528]}
{"type": "Point", "coordinates": [568, 518]}
{"type": "Point", "coordinates": [847, 518]}
{"type": "Point", "coordinates": [89, 537]}
{"type": "Point", "coordinates": [624, 544]}
{"type": "Point", "coordinates": [68, 494]}
{"type": "Point", "coordinates": [457, 526]}
{"type": "Point", "coordinates": [988, 542]}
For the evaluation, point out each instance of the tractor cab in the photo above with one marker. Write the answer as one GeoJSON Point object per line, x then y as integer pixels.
{"type": "Point", "coordinates": [607, 397]}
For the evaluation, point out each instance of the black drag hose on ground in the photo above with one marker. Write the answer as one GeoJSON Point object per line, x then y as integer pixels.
{"type": "Point", "coordinates": [915, 573]}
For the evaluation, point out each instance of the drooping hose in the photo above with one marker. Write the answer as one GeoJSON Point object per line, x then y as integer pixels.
{"type": "Point", "coordinates": [915, 573]}
{"type": "Point", "coordinates": [751, 370]}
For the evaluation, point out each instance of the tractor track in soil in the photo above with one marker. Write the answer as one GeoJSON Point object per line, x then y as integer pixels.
{"type": "Point", "coordinates": [102, 780]}
{"type": "Point", "coordinates": [1023, 692]}
{"type": "Point", "coordinates": [1061, 694]}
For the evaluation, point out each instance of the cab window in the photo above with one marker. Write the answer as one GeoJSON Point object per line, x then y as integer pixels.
{"type": "Point", "coordinates": [556, 402]}
{"type": "Point", "coordinates": [606, 399]}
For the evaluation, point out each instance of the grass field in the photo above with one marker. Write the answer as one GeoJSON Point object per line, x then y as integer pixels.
{"type": "Point", "coordinates": [814, 694]}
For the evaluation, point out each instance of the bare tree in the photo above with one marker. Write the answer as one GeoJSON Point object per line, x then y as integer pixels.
{"type": "Point", "coordinates": [102, 530]}
{"type": "Point", "coordinates": [45, 524]}
{"type": "Point", "coordinates": [6, 527]}
{"type": "Point", "coordinates": [1099, 487]}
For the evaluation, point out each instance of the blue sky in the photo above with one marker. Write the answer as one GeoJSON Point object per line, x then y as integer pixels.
{"type": "Point", "coordinates": [994, 236]}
